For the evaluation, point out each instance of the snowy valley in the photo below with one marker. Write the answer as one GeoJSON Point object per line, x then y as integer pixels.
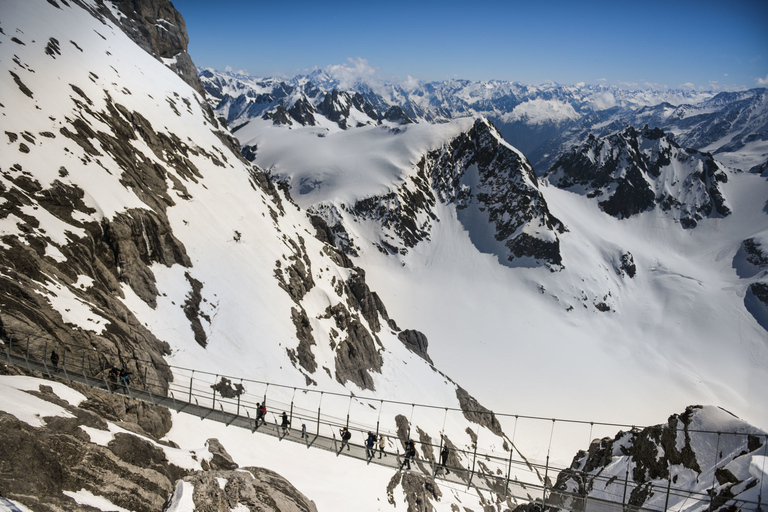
{"type": "Point", "coordinates": [392, 248]}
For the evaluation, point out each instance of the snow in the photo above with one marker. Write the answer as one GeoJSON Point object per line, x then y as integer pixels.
{"type": "Point", "coordinates": [182, 498]}
{"type": "Point", "coordinates": [28, 408]}
{"type": "Point", "coordinates": [343, 165]}
{"type": "Point", "coordinates": [72, 308]}
{"type": "Point", "coordinates": [84, 497]}
{"type": "Point", "coordinates": [7, 505]}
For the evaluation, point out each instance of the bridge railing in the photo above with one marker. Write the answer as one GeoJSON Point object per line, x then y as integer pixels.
{"type": "Point", "coordinates": [494, 461]}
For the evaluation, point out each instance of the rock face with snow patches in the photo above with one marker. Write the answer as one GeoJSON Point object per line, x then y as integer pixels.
{"type": "Point", "coordinates": [687, 451]}
{"type": "Point", "coordinates": [636, 171]}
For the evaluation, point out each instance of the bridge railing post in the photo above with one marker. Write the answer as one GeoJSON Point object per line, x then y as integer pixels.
{"type": "Point", "coordinates": [546, 468]}
{"type": "Point", "coordinates": [8, 347]}
{"type": "Point", "coordinates": [509, 472]}
{"type": "Point", "coordinates": [213, 405]}
{"type": "Point", "coordinates": [45, 356]}
{"type": "Point", "coordinates": [64, 364]}
{"type": "Point", "coordinates": [191, 377]}
{"type": "Point", "coordinates": [85, 374]}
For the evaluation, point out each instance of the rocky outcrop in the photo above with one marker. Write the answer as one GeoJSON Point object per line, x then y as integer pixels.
{"type": "Point", "coordinates": [250, 488]}
{"type": "Point", "coordinates": [633, 171]}
{"type": "Point", "coordinates": [220, 458]}
{"type": "Point", "coordinates": [473, 411]}
{"type": "Point", "coordinates": [357, 353]}
{"type": "Point", "coordinates": [416, 342]}
{"type": "Point", "coordinates": [157, 27]}
{"type": "Point", "coordinates": [687, 454]}
{"type": "Point", "coordinates": [38, 463]}
{"type": "Point", "coordinates": [339, 106]}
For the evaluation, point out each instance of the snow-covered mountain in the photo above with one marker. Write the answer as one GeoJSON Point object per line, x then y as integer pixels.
{"type": "Point", "coordinates": [542, 121]}
{"type": "Point", "coordinates": [634, 171]}
{"type": "Point", "coordinates": [349, 250]}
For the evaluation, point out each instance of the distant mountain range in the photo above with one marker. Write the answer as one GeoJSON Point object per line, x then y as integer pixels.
{"type": "Point", "coordinates": [542, 121]}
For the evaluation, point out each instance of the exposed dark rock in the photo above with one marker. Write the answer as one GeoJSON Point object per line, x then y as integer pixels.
{"type": "Point", "coordinates": [23, 88]}
{"type": "Point", "coordinates": [138, 238]}
{"type": "Point", "coordinates": [356, 354]}
{"type": "Point", "coordinates": [303, 352]}
{"type": "Point", "coordinates": [337, 106]}
{"type": "Point", "coordinates": [37, 464]}
{"type": "Point", "coordinates": [628, 266]}
{"type": "Point", "coordinates": [416, 342]}
{"type": "Point", "coordinates": [476, 413]}
{"type": "Point", "coordinates": [158, 28]}
{"type": "Point", "coordinates": [192, 310]}
{"type": "Point", "coordinates": [630, 169]}
{"type": "Point", "coordinates": [221, 459]}
{"type": "Point", "coordinates": [226, 389]}
{"type": "Point", "coordinates": [653, 452]}
{"type": "Point", "coordinates": [368, 302]}
{"type": "Point", "coordinates": [299, 274]}
{"type": "Point", "coordinates": [251, 488]}
{"type": "Point", "coordinates": [398, 115]}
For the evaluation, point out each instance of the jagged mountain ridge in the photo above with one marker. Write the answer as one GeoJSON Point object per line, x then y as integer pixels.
{"type": "Point", "coordinates": [634, 171]}
{"type": "Point", "coordinates": [543, 121]}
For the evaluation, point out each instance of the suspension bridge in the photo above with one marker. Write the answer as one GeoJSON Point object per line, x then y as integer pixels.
{"type": "Point", "coordinates": [512, 478]}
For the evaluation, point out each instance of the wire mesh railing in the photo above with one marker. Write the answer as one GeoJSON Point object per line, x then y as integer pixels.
{"type": "Point", "coordinates": [506, 472]}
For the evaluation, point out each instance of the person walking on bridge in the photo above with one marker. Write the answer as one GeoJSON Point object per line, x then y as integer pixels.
{"type": "Point", "coordinates": [370, 442]}
{"type": "Point", "coordinates": [382, 444]}
{"type": "Point", "coordinates": [410, 453]}
{"type": "Point", "coordinates": [444, 459]}
{"type": "Point", "coordinates": [261, 412]}
{"type": "Point", "coordinates": [55, 360]}
{"type": "Point", "coordinates": [346, 435]}
{"type": "Point", "coordinates": [286, 423]}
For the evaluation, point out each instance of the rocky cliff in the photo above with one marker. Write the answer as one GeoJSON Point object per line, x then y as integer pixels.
{"type": "Point", "coordinates": [634, 171]}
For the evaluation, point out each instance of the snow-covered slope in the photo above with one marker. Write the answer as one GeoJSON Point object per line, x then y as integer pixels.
{"type": "Point", "coordinates": [643, 316]}
{"type": "Point", "coordinates": [131, 224]}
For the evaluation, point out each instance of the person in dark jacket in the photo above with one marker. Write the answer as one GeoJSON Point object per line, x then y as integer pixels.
{"type": "Point", "coordinates": [55, 360]}
{"type": "Point", "coordinates": [410, 453]}
{"type": "Point", "coordinates": [286, 423]}
{"type": "Point", "coordinates": [444, 459]}
{"type": "Point", "coordinates": [346, 435]}
{"type": "Point", "coordinates": [369, 445]}
{"type": "Point", "coordinates": [261, 411]}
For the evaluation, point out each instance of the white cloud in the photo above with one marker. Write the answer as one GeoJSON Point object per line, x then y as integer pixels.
{"type": "Point", "coordinates": [762, 81]}
{"type": "Point", "coordinates": [410, 83]}
{"type": "Point", "coordinates": [602, 79]}
{"type": "Point", "coordinates": [604, 100]}
{"type": "Point", "coordinates": [689, 85]}
{"type": "Point", "coordinates": [348, 76]}
{"type": "Point", "coordinates": [230, 69]}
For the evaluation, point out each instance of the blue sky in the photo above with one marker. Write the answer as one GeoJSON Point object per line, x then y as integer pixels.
{"type": "Point", "coordinates": [709, 44]}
